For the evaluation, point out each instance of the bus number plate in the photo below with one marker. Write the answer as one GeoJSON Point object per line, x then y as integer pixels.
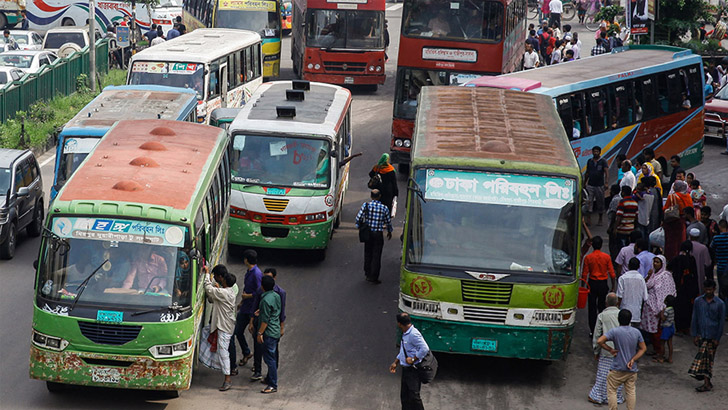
{"type": "Point", "coordinates": [105, 375]}
{"type": "Point", "coordinates": [348, 80]}
{"type": "Point", "coordinates": [485, 345]}
{"type": "Point", "coordinates": [275, 191]}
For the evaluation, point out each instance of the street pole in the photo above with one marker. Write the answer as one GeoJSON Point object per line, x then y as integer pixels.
{"type": "Point", "coordinates": [92, 41]}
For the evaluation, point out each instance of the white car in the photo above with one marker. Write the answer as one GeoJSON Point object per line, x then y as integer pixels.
{"type": "Point", "coordinates": [10, 74]}
{"type": "Point", "coordinates": [27, 40]}
{"type": "Point", "coordinates": [58, 37]}
{"type": "Point", "coordinates": [29, 61]}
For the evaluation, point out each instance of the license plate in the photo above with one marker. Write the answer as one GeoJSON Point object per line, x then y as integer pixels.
{"type": "Point", "coordinates": [275, 191]}
{"type": "Point", "coordinates": [105, 375]}
{"type": "Point", "coordinates": [485, 345]}
{"type": "Point", "coordinates": [348, 80]}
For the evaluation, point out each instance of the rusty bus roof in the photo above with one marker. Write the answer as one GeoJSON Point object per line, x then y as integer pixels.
{"type": "Point", "coordinates": [467, 123]}
{"type": "Point", "coordinates": [154, 162]}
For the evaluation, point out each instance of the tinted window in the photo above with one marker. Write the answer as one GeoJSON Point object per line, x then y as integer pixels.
{"type": "Point", "coordinates": [596, 111]}
{"type": "Point", "coordinates": [56, 40]}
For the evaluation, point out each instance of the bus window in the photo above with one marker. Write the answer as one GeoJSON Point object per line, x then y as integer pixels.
{"type": "Point", "coordinates": [596, 111]}
{"type": "Point", "coordinates": [256, 61]}
{"type": "Point", "coordinates": [677, 89]}
{"type": "Point", "coordinates": [463, 20]}
{"type": "Point", "coordinates": [563, 105]}
{"type": "Point", "coordinates": [411, 82]}
{"type": "Point", "coordinates": [620, 105]}
{"type": "Point", "coordinates": [695, 86]}
{"type": "Point", "coordinates": [663, 95]}
{"type": "Point", "coordinates": [214, 86]}
{"type": "Point", "coordinates": [646, 99]}
{"type": "Point", "coordinates": [577, 115]}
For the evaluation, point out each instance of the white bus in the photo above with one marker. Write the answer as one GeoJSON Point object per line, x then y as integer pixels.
{"type": "Point", "coordinates": [224, 67]}
{"type": "Point", "coordinates": [46, 14]}
{"type": "Point", "coordinates": [290, 166]}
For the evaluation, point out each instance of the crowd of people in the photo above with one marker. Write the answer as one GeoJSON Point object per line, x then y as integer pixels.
{"type": "Point", "coordinates": [155, 35]}
{"type": "Point", "coordinates": [664, 254]}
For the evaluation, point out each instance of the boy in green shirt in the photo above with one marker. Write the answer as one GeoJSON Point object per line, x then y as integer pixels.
{"type": "Point", "coordinates": [269, 332]}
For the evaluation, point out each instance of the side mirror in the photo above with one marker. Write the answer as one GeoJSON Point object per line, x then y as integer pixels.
{"type": "Point", "coordinates": [35, 264]}
{"type": "Point", "coordinates": [194, 254]}
{"type": "Point", "coordinates": [333, 153]}
{"type": "Point", "coordinates": [24, 191]}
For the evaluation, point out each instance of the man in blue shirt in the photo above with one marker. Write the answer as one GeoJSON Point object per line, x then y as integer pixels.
{"type": "Point", "coordinates": [255, 324]}
{"type": "Point", "coordinates": [376, 215]}
{"type": "Point", "coordinates": [642, 252]}
{"type": "Point", "coordinates": [172, 33]}
{"type": "Point", "coordinates": [412, 350]}
{"type": "Point", "coordinates": [246, 309]}
{"type": "Point", "coordinates": [707, 328]}
{"type": "Point", "coordinates": [629, 346]}
{"type": "Point", "coordinates": [719, 245]}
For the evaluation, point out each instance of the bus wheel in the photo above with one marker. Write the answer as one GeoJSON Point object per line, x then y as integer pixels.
{"type": "Point", "coordinates": [3, 21]}
{"type": "Point", "coordinates": [403, 169]}
{"type": "Point", "coordinates": [55, 388]}
{"type": "Point", "coordinates": [68, 22]}
{"type": "Point", "coordinates": [319, 254]}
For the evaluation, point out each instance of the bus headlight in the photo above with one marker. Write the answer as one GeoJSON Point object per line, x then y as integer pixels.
{"type": "Point", "coordinates": [371, 68]}
{"type": "Point", "coordinates": [379, 68]}
{"type": "Point", "coordinates": [407, 143]}
{"type": "Point", "coordinates": [310, 66]}
{"type": "Point", "coordinates": [171, 350]}
{"type": "Point", "coordinates": [321, 216]}
{"type": "Point", "coordinates": [317, 67]}
{"type": "Point", "coordinates": [239, 213]}
{"type": "Point", "coordinates": [49, 342]}
{"type": "Point", "coordinates": [398, 143]}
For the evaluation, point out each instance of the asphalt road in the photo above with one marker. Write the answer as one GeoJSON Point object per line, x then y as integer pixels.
{"type": "Point", "coordinates": [340, 336]}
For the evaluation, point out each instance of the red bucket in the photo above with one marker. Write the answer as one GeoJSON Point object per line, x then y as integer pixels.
{"type": "Point", "coordinates": [583, 295]}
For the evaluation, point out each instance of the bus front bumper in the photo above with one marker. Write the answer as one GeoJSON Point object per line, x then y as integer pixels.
{"type": "Point", "coordinates": [106, 370]}
{"type": "Point", "coordinates": [343, 79]}
{"type": "Point", "coordinates": [308, 236]}
{"type": "Point", "coordinates": [540, 343]}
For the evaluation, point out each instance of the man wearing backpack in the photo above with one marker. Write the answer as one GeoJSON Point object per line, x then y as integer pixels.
{"type": "Point", "coordinates": [374, 216]}
{"type": "Point", "coordinates": [413, 349]}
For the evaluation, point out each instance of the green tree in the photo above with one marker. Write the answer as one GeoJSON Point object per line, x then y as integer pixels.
{"type": "Point", "coordinates": [676, 18]}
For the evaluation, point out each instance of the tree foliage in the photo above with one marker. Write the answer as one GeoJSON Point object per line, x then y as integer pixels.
{"type": "Point", "coordinates": [676, 18]}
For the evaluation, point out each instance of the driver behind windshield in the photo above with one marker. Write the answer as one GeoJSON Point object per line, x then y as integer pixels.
{"type": "Point", "coordinates": [148, 271]}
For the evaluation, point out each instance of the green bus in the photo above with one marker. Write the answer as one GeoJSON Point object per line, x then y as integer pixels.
{"type": "Point", "coordinates": [490, 254]}
{"type": "Point", "coordinates": [118, 291]}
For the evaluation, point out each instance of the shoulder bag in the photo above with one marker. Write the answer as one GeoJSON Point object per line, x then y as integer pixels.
{"type": "Point", "coordinates": [375, 182]}
{"type": "Point", "coordinates": [427, 368]}
{"type": "Point", "coordinates": [672, 213]}
{"type": "Point", "coordinates": [364, 229]}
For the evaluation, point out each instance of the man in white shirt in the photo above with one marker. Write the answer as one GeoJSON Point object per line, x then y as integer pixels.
{"type": "Point", "coordinates": [530, 58]}
{"type": "Point", "coordinates": [628, 178]}
{"type": "Point", "coordinates": [627, 253]}
{"type": "Point", "coordinates": [632, 291]}
{"type": "Point", "coordinates": [555, 10]}
{"type": "Point", "coordinates": [576, 45]}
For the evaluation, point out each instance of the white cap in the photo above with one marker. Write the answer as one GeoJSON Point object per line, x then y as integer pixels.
{"type": "Point", "coordinates": [694, 233]}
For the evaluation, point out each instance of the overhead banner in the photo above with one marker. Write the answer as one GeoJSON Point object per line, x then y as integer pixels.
{"type": "Point", "coordinates": [499, 189]}
{"type": "Point", "coordinates": [120, 230]}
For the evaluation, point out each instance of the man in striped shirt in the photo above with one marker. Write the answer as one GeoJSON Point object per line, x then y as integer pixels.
{"type": "Point", "coordinates": [626, 216]}
{"type": "Point", "coordinates": [720, 247]}
{"type": "Point", "coordinates": [376, 215]}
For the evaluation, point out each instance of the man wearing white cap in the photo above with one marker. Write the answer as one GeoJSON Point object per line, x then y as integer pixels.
{"type": "Point", "coordinates": [694, 223]}
{"type": "Point", "coordinates": [702, 258]}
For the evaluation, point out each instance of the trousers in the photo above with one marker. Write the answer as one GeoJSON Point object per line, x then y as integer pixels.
{"type": "Point", "coordinates": [409, 393]}
{"type": "Point", "coordinates": [617, 378]}
{"type": "Point", "coordinates": [598, 290]}
{"type": "Point", "coordinates": [241, 324]}
{"type": "Point", "coordinates": [373, 255]}
{"type": "Point", "coordinates": [223, 341]}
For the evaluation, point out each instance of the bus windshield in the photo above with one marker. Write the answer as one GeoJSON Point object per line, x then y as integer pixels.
{"type": "Point", "coordinates": [182, 75]}
{"type": "Point", "coordinates": [461, 20]}
{"type": "Point", "coordinates": [350, 29]}
{"type": "Point", "coordinates": [412, 81]}
{"type": "Point", "coordinates": [260, 17]}
{"type": "Point", "coordinates": [462, 224]}
{"type": "Point", "coordinates": [135, 263]}
{"type": "Point", "coordinates": [281, 161]}
{"type": "Point", "coordinates": [75, 150]}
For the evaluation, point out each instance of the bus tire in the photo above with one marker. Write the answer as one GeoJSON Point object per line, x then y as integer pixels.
{"type": "Point", "coordinates": [55, 388]}
{"type": "Point", "coordinates": [3, 21]}
{"type": "Point", "coordinates": [403, 169]}
{"type": "Point", "coordinates": [319, 254]}
{"type": "Point", "coordinates": [68, 22]}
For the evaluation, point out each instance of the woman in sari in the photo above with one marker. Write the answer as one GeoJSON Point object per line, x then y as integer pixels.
{"type": "Point", "coordinates": [389, 180]}
{"type": "Point", "coordinates": [648, 171]}
{"type": "Point", "coordinates": [685, 274]}
{"type": "Point", "coordinates": [675, 228]}
{"type": "Point", "coordinates": [659, 284]}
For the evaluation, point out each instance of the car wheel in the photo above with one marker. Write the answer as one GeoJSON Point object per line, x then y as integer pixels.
{"type": "Point", "coordinates": [3, 21]}
{"type": "Point", "coordinates": [36, 226]}
{"type": "Point", "coordinates": [7, 250]}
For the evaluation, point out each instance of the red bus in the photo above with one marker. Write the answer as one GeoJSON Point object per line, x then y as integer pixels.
{"type": "Point", "coordinates": [339, 41]}
{"type": "Point", "coordinates": [450, 43]}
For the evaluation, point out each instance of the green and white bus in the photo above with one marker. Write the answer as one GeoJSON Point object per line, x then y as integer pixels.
{"type": "Point", "coordinates": [118, 291]}
{"type": "Point", "coordinates": [490, 259]}
{"type": "Point", "coordinates": [290, 171]}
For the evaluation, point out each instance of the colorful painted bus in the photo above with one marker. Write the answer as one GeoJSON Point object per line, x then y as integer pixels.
{"type": "Point", "coordinates": [634, 98]}
{"type": "Point", "coordinates": [81, 134]}
{"type": "Point", "coordinates": [223, 66]}
{"type": "Point", "coordinates": [118, 291]}
{"type": "Point", "coordinates": [491, 244]}
{"type": "Point", "coordinates": [290, 170]}
{"type": "Point", "coordinates": [450, 43]}
{"type": "Point", "coordinates": [339, 41]}
{"type": "Point", "coordinates": [260, 16]}
{"type": "Point", "coordinates": [47, 14]}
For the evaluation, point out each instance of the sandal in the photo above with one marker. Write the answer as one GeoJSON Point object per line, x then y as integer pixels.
{"type": "Point", "coordinates": [269, 390]}
{"type": "Point", "coordinates": [225, 386]}
{"type": "Point", "coordinates": [703, 388]}
{"type": "Point", "coordinates": [244, 360]}
{"type": "Point", "coordinates": [593, 401]}
{"type": "Point", "coordinates": [234, 372]}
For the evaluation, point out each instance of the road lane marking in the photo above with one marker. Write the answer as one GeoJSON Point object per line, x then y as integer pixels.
{"type": "Point", "coordinates": [395, 7]}
{"type": "Point", "coordinates": [51, 158]}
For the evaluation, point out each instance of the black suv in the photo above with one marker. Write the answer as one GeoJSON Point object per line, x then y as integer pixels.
{"type": "Point", "coordinates": [21, 198]}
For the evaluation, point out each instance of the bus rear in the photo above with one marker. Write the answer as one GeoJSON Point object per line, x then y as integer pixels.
{"type": "Point", "coordinates": [492, 227]}
{"type": "Point", "coordinates": [81, 134]}
{"type": "Point", "coordinates": [339, 42]}
{"type": "Point", "coordinates": [451, 43]}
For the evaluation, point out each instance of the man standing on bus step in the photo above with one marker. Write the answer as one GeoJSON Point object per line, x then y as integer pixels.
{"type": "Point", "coordinates": [412, 350]}
{"type": "Point", "coordinates": [629, 346]}
{"type": "Point", "coordinates": [246, 309]}
{"type": "Point", "coordinates": [555, 10]}
{"type": "Point", "coordinates": [376, 216]}
{"type": "Point", "coordinates": [597, 268]}
{"type": "Point", "coordinates": [596, 180]}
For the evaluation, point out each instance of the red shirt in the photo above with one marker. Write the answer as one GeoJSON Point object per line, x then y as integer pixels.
{"type": "Point", "coordinates": [597, 265]}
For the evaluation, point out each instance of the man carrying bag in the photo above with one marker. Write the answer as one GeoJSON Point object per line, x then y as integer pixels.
{"type": "Point", "coordinates": [372, 219]}
{"type": "Point", "coordinates": [418, 363]}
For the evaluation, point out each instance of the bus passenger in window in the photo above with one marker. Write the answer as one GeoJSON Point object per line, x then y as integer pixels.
{"type": "Point", "coordinates": [439, 25]}
{"type": "Point", "coordinates": [685, 102]}
{"type": "Point", "coordinates": [149, 269]}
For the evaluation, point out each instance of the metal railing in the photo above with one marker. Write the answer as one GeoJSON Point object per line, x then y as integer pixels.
{"type": "Point", "coordinates": [58, 78]}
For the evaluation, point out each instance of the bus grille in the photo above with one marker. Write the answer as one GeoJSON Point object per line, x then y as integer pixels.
{"type": "Point", "coordinates": [275, 219]}
{"type": "Point", "coordinates": [485, 314]}
{"type": "Point", "coordinates": [346, 67]}
{"type": "Point", "coordinates": [109, 334]}
{"type": "Point", "coordinates": [275, 205]}
{"type": "Point", "coordinates": [486, 292]}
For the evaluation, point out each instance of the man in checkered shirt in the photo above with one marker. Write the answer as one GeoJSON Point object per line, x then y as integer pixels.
{"type": "Point", "coordinates": [376, 215]}
{"type": "Point", "coordinates": [599, 48]}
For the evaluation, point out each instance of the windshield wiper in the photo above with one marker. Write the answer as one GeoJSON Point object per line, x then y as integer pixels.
{"type": "Point", "coordinates": [56, 240]}
{"type": "Point", "coordinates": [416, 189]}
{"type": "Point", "coordinates": [173, 307]}
{"type": "Point", "coordinates": [83, 285]}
